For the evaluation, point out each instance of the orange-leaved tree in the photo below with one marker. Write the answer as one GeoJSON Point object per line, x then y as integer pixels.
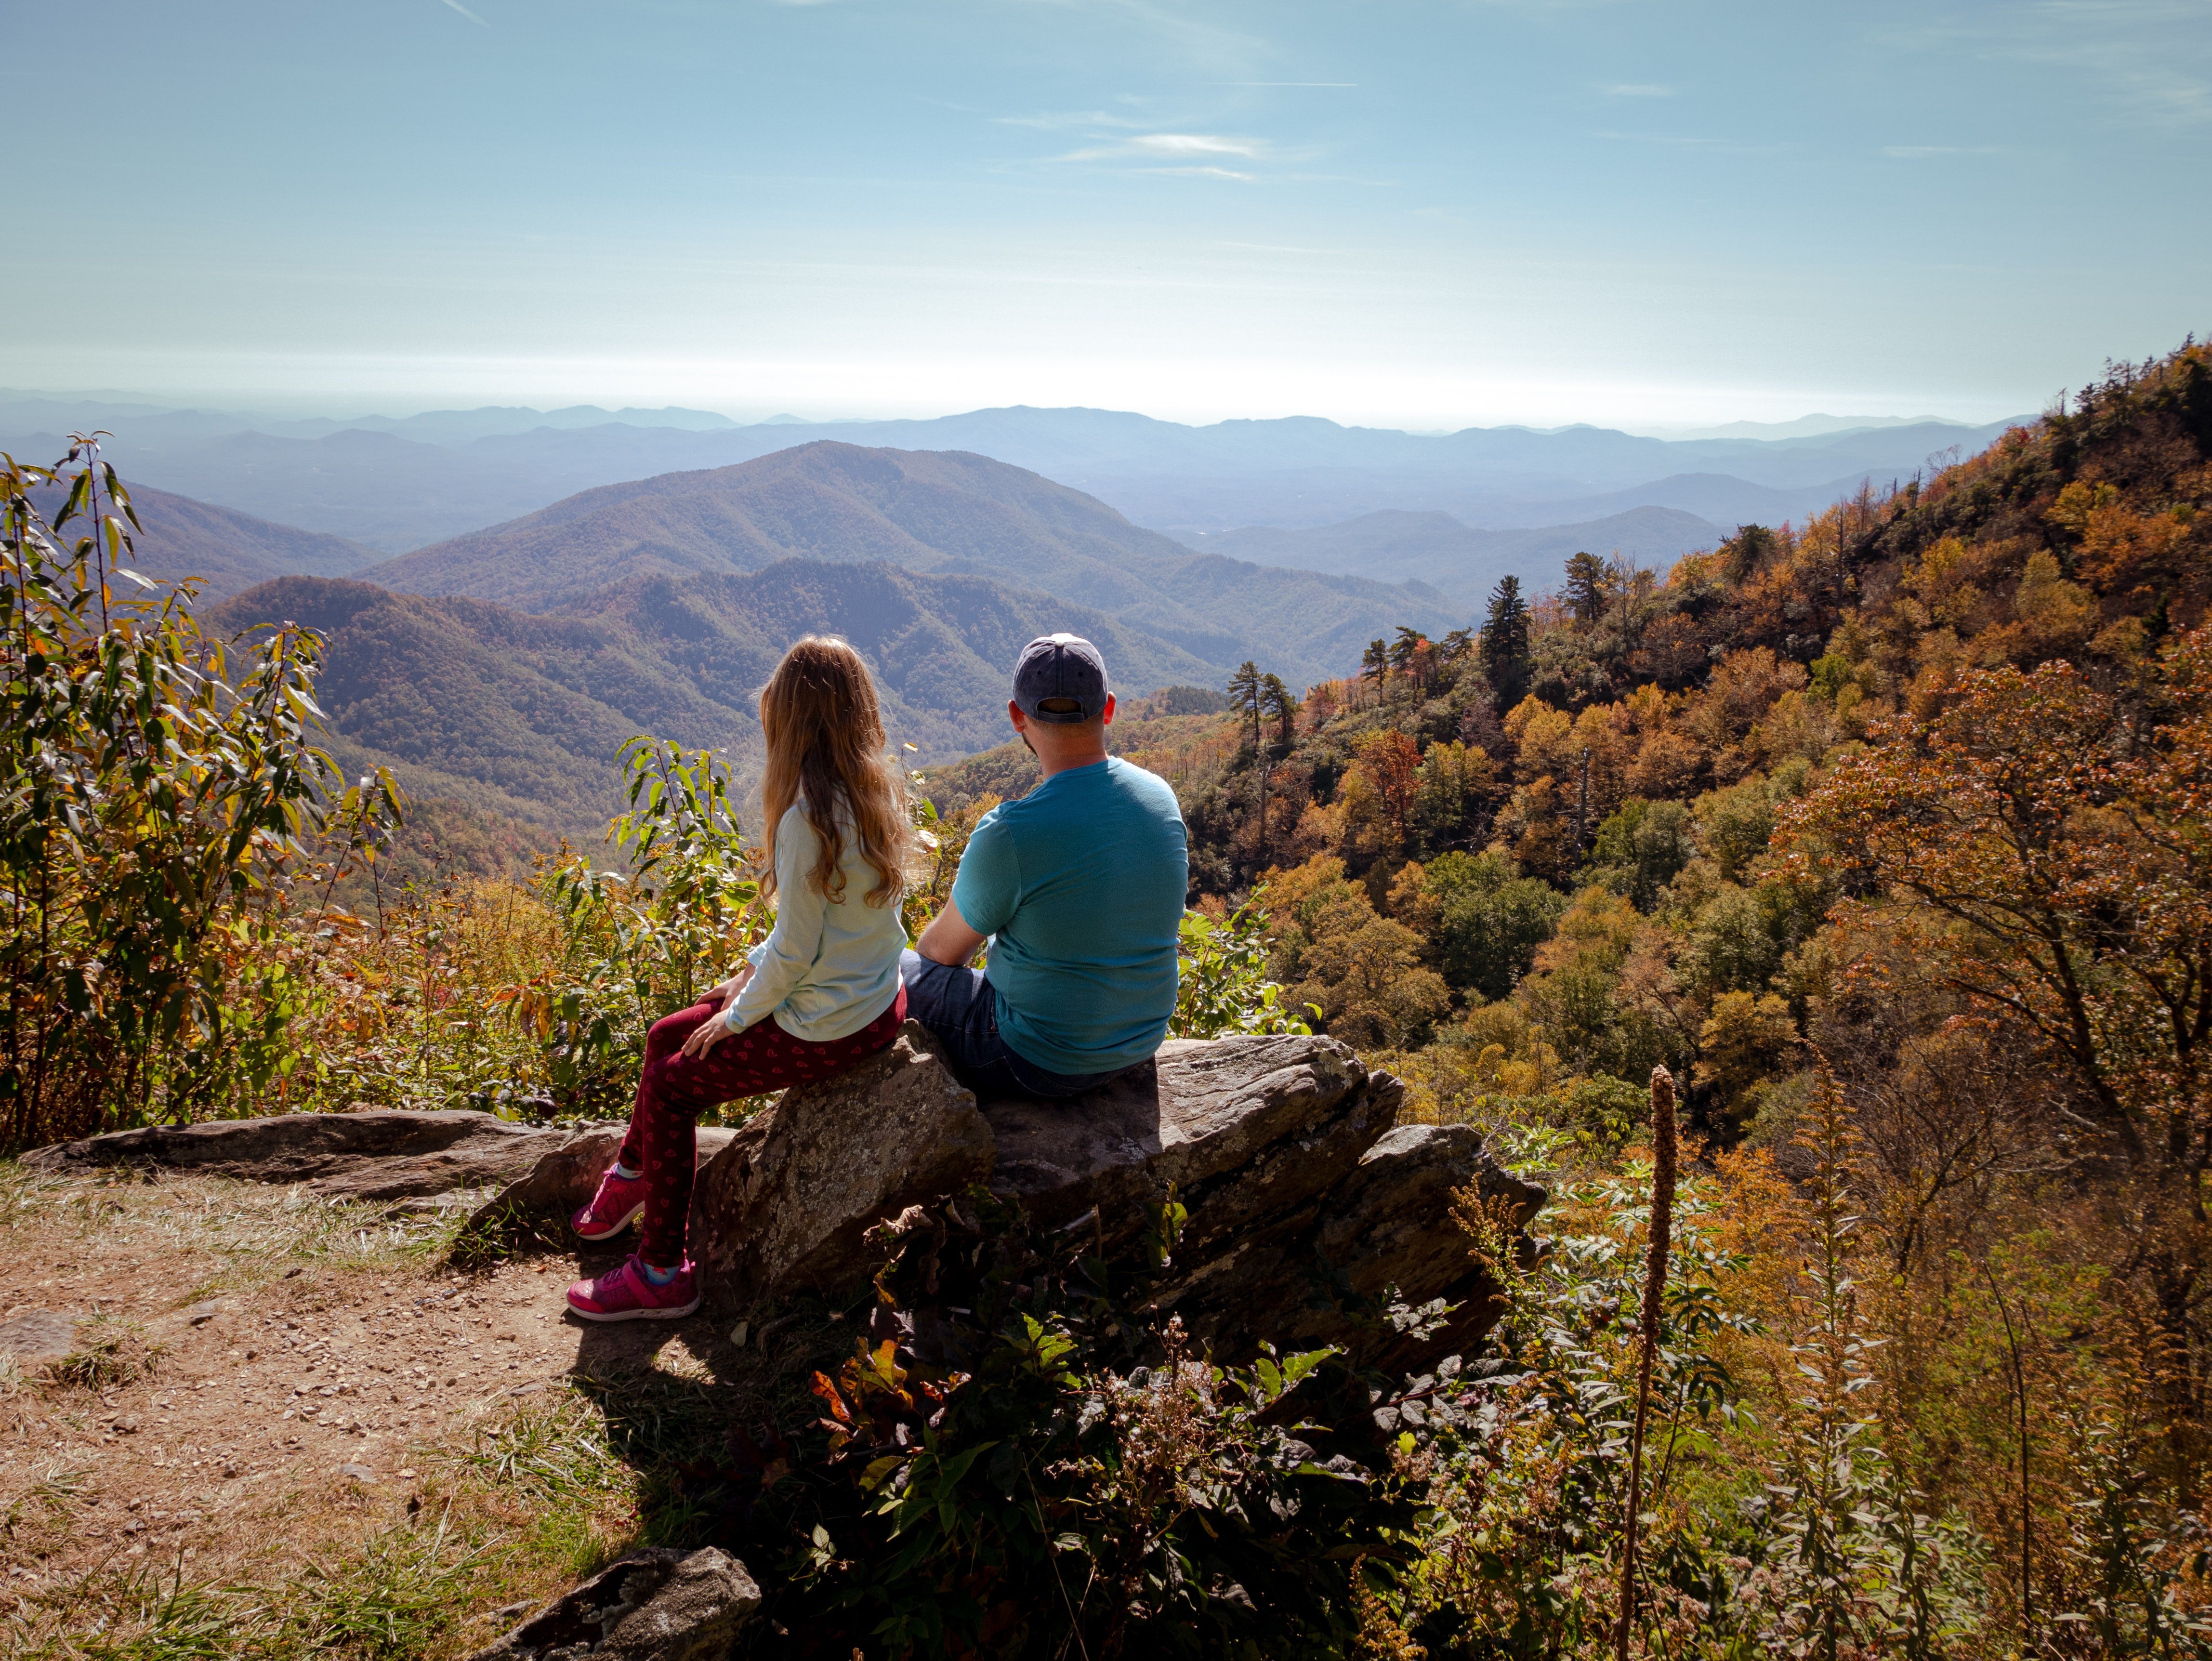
{"type": "Point", "coordinates": [2044, 843]}
{"type": "Point", "coordinates": [1389, 761]}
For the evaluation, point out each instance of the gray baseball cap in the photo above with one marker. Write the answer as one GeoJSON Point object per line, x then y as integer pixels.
{"type": "Point", "coordinates": [1065, 673]}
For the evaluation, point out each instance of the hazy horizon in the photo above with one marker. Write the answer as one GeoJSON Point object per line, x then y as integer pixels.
{"type": "Point", "coordinates": [1808, 423]}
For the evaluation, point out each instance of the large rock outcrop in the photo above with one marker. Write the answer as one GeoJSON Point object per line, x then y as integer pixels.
{"type": "Point", "coordinates": [650, 1605]}
{"type": "Point", "coordinates": [783, 1208]}
{"type": "Point", "coordinates": [1321, 1272]}
{"type": "Point", "coordinates": [1308, 1206]}
{"type": "Point", "coordinates": [1239, 1129]}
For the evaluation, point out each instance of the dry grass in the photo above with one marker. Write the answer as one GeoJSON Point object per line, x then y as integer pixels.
{"type": "Point", "coordinates": [179, 1486]}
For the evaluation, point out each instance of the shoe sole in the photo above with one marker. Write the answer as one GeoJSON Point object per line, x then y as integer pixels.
{"type": "Point", "coordinates": [636, 1212]}
{"type": "Point", "coordinates": [675, 1314]}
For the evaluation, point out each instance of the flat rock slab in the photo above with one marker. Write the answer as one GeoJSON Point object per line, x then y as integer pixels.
{"type": "Point", "coordinates": [650, 1605]}
{"type": "Point", "coordinates": [486, 1162]}
{"type": "Point", "coordinates": [782, 1209]}
{"type": "Point", "coordinates": [563, 1177]}
{"type": "Point", "coordinates": [385, 1153]}
{"type": "Point", "coordinates": [38, 1337]}
{"type": "Point", "coordinates": [1236, 1128]}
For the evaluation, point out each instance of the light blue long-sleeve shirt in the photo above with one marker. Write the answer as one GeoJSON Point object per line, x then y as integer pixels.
{"type": "Point", "coordinates": [825, 970]}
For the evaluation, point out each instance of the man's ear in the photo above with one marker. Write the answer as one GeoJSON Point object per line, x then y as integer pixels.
{"type": "Point", "coordinates": [1107, 720]}
{"type": "Point", "coordinates": [1014, 715]}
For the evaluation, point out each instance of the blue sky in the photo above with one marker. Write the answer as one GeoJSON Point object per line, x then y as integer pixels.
{"type": "Point", "coordinates": [1427, 213]}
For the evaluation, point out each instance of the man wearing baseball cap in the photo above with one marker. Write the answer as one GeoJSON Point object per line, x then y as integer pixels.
{"type": "Point", "coordinates": [1079, 887]}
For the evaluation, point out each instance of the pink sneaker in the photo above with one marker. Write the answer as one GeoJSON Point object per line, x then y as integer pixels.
{"type": "Point", "coordinates": [619, 1202]}
{"type": "Point", "coordinates": [626, 1295]}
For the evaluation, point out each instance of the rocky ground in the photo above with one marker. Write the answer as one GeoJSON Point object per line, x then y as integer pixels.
{"type": "Point", "coordinates": [214, 1385]}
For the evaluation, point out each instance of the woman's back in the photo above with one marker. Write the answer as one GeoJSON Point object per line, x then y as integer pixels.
{"type": "Point", "coordinates": [836, 967]}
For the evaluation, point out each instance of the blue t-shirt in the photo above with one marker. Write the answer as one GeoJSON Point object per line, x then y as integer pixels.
{"type": "Point", "coordinates": [1081, 882]}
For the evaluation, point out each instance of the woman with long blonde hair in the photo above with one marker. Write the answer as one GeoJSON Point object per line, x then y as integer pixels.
{"type": "Point", "coordinates": [820, 994]}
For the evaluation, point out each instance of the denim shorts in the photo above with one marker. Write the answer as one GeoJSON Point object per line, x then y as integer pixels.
{"type": "Point", "coordinates": [961, 1011]}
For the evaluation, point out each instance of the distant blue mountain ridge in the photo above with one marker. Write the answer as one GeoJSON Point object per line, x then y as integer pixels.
{"type": "Point", "coordinates": [398, 483]}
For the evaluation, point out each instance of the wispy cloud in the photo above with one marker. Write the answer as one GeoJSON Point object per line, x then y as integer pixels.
{"type": "Point", "coordinates": [1916, 152]}
{"type": "Point", "coordinates": [1286, 83]}
{"type": "Point", "coordinates": [1199, 155]}
{"type": "Point", "coordinates": [1637, 89]}
{"type": "Point", "coordinates": [2149, 62]}
{"type": "Point", "coordinates": [1197, 143]}
{"type": "Point", "coordinates": [2155, 55]}
{"type": "Point", "coordinates": [466, 12]}
{"type": "Point", "coordinates": [1060, 120]}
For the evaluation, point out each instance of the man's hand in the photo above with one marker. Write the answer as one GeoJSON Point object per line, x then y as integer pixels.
{"type": "Point", "coordinates": [949, 939]}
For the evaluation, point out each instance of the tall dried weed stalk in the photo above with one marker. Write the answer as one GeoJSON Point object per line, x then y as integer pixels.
{"type": "Point", "coordinates": [1665, 1158]}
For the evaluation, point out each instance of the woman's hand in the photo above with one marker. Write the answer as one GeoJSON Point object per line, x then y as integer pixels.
{"type": "Point", "coordinates": [704, 1037]}
{"type": "Point", "coordinates": [720, 993]}
{"type": "Point", "coordinates": [712, 1031]}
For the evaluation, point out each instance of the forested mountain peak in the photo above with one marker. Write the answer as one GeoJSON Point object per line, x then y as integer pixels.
{"type": "Point", "coordinates": [934, 511]}
{"type": "Point", "coordinates": [511, 715]}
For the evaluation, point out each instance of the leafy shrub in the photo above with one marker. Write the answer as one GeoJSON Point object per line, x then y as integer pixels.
{"type": "Point", "coordinates": [1015, 1461]}
{"type": "Point", "coordinates": [412, 1006]}
{"type": "Point", "coordinates": [157, 806]}
{"type": "Point", "coordinates": [636, 946]}
{"type": "Point", "coordinates": [1224, 987]}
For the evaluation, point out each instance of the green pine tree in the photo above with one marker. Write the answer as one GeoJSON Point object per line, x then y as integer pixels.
{"type": "Point", "coordinates": [1586, 588]}
{"type": "Point", "coordinates": [1244, 687]}
{"type": "Point", "coordinates": [1275, 700]}
{"type": "Point", "coordinates": [1505, 643]}
{"type": "Point", "coordinates": [1375, 662]}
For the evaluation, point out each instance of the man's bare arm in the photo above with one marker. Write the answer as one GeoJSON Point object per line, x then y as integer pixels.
{"type": "Point", "coordinates": [949, 939]}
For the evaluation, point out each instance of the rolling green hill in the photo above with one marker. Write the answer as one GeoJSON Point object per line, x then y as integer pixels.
{"type": "Point", "coordinates": [518, 714]}
{"type": "Point", "coordinates": [945, 513]}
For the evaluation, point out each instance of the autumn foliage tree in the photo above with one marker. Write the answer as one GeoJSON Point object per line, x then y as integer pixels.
{"type": "Point", "coordinates": [1389, 768]}
{"type": "Point", "coordinates": [2046, 843]}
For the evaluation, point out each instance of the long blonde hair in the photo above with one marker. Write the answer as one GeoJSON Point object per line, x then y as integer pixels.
{"type": "Point", "coordinates": [826, 746]}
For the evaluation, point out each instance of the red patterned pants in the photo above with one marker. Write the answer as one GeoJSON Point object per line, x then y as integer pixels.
{"type": "Point", "coordinates": [672, 1088]}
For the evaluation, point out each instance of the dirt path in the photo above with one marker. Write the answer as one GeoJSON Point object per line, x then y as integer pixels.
{"type": "Point", "coordinates": [261, 1382]}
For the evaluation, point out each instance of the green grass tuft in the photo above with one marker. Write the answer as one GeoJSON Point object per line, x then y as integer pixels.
{"type": "Point", "coordinates": [110, 1351]}
{"type": "Point", "coordinates": [556, 1451]}
{"type": "Point", "coordinates": [392, 1599]}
